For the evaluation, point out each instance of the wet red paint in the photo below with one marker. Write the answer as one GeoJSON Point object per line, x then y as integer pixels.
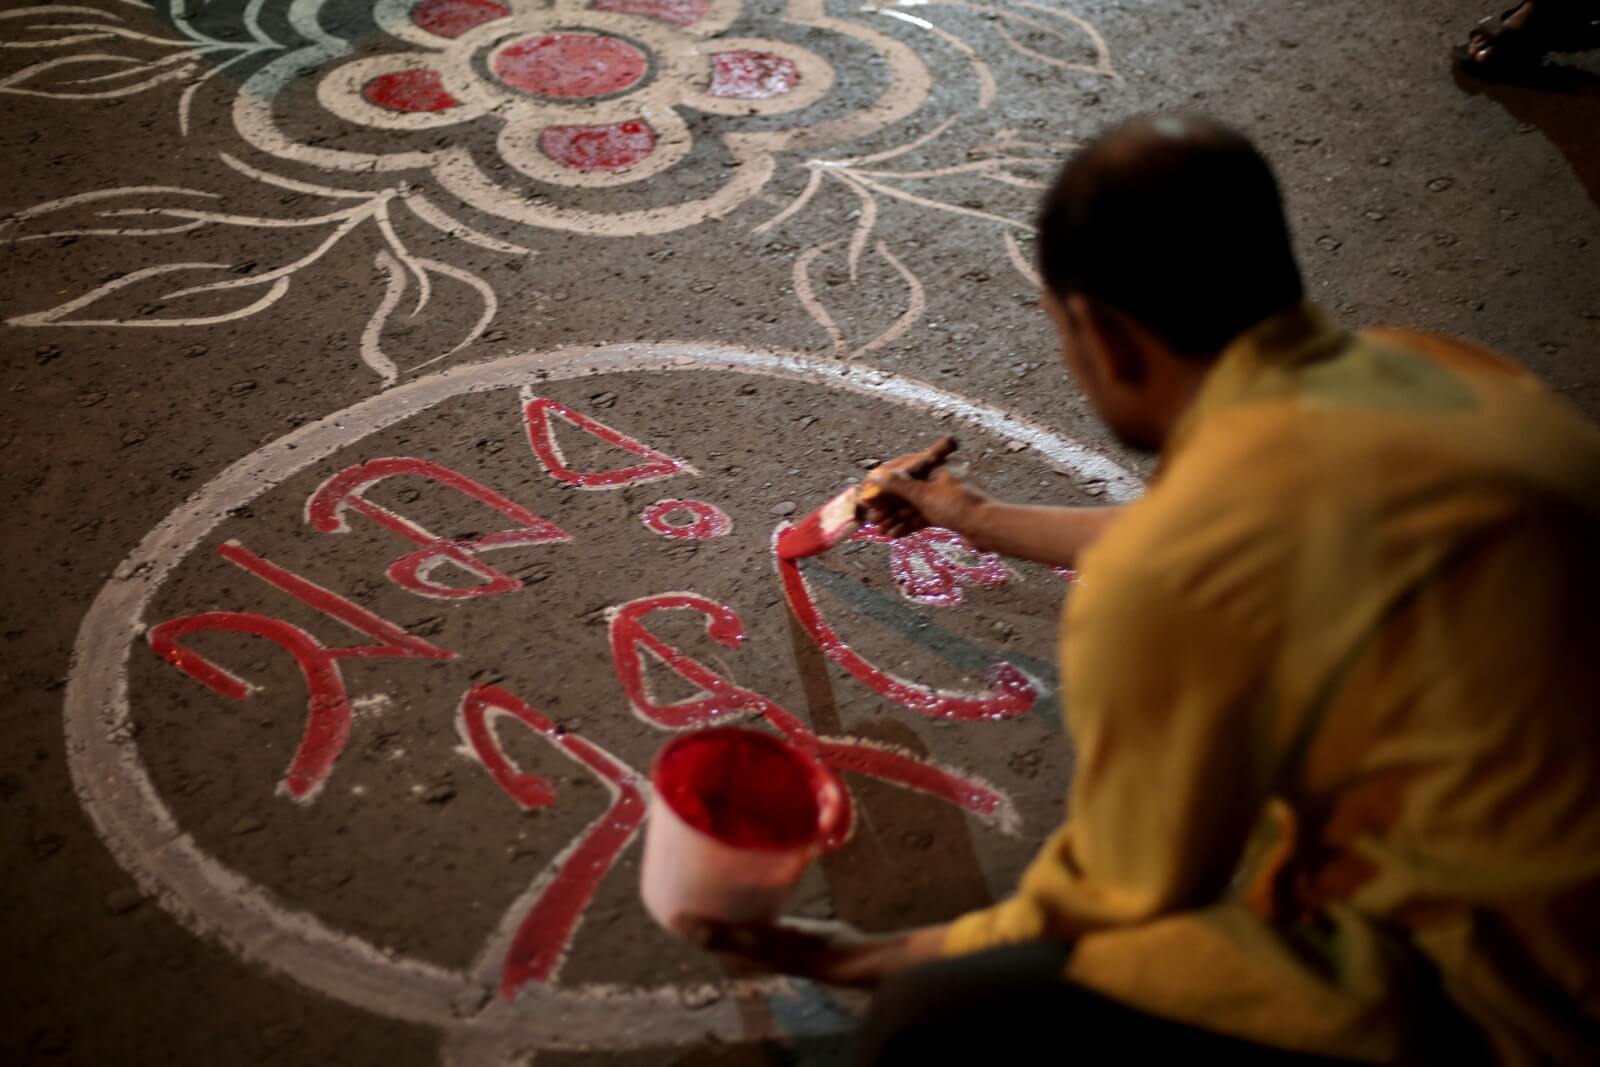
{"type": "Point", "coordinates": [748, 75]}
{"type": "Point", "coordinates": [328, 702]}
{"type": "Point", "coordinates": [932, 565]}
{"type": "Point", "coordinates": [722, 700]}
{"type": "Point", "coordinates": [743, 788]}
{"type": "Point", "coordinates": [677, 12]}
{"type": "Point", "coordinates": [536, 413]}
{"type": "Point", "coordinates": [703, 521]}
{"type": "Point", "coordinates": [608, 147]}
{"type": "Point", "coordinates": [546, 930]}
{"type": "Point", "coordinates": [346, 491]}
{"type": "Point", "coordinates": [570, 66]}
{"type": "Point", "coordinates": [409, 90]}
{"type": "Point", "coordinates": [1010, 692]}
{"type": "Point", "coordinates": [452, 18]}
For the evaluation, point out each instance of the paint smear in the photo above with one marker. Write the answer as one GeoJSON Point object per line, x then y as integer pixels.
{"type": "Point", "coordinates": [570, 66]}
{"type": "Point", "coordinates": [409, 91]}
{"type": "Point", "coordinates": [677, 12]}
{"type": "Point", "coordinates": [452, 18]}
{"type": "Point", "coordinates": [746, 75]}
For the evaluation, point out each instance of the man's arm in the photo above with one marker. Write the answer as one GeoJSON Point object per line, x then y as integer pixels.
{"type": "Point", "coordinates": [1051, 535]}
{"type": "Point", "coordinates": [830, 952]}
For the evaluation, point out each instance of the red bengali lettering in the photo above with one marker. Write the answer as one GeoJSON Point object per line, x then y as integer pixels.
{"type": "Point", "coordinates": [655, 465]}
{"type": "Point", "coordinates": [566, 888]}
{"type": "Point", "coordinates": [704, 521]}
{"type": "Point", "coordinates": [327, 511]}
{"type": "Point", "coordinates": [1010, 692]}
{"type": "Point", "coordinates": [723, 700]}
{"type": "Point", "coordinates": [328, 701]}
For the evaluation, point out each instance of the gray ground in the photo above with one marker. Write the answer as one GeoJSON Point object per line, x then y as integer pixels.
{"type": "Point", "coordinates": [1418, 199]}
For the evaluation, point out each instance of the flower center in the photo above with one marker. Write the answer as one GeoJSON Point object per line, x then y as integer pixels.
{"type": "Point", "coordinates": [570, 65]}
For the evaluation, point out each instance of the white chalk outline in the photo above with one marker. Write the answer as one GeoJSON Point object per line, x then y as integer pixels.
{"type": "Point", "coordinates": [213, 900]}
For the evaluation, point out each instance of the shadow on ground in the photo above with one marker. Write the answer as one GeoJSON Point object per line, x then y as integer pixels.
{"type": "Point", "coordinates": [1561, 102]}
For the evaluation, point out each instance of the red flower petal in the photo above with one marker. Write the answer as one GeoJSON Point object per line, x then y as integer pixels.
{"type": "Point", "coordinates": [677, 12]}
{"type": "Point", "coordinates": [408, 90]}
{"type": "Point", "coordinates": [609, 147]}
{"type": "Point", "coordinates": [752, 75]}
{"type": "Point", "coordinates": [452, 18]}
{"type": "Point", "coordinates": [570, 65]}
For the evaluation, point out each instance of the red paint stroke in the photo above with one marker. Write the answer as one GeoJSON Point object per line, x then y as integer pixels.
{"type": "Point", "coordinates": [931, 565]}
{"type": "Point", "coordinates": [677, 12]}
{"type": "Point", "coordinates": [328, 705]}
{"type": "Point", "coordinates": [452, 18]}
{"type": "Point", "coordinates": [409, 90]}
{"type": "Point", "coordinates": [724, 700]}
{"type": "Point", "coordinates": [611, 146]}
{"type": "Point", "coordinates": [745, 75]}
{"type": "Point", "coordinates": [705, 521]}
{"type": "Point", "coordinates": [570, 66]}
{"type": "Point", "coordinates": [346, 491]}
{"type": "Point", "coordinates": [569, 883]}
{"type": "Point", "coordinates": [536, 412]}
{"type": "Point", "coordinates": [1010, 692]}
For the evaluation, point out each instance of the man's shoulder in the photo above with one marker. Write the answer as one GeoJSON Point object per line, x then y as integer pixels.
{"type": "Point", "coordinates": [1215, 530]}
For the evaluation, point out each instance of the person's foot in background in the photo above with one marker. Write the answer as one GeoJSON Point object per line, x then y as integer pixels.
{"type": "Point", "coordinates": [1518, 40]}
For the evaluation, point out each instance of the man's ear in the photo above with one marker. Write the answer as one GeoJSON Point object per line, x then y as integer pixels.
{"type": "Point", "coordinates": [1114, 341]}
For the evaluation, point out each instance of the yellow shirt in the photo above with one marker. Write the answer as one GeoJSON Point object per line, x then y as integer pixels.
{"type": "Point", "coordinates": [1334, 683]}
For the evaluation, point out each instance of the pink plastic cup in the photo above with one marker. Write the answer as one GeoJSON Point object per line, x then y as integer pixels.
{"type": "Point", "coordinates": [736, 817]}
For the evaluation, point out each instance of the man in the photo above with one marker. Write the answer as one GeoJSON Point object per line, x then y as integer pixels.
{"type": "Point", "coordinates": [1333, 681]}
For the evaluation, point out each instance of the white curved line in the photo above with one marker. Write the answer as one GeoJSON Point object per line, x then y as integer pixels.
{"type": "Point", "coordinates": [915, 306]}
{"type": "Point", "coordinates": [428, 212]}
{"type": "Point", "coordinates": [371, 347]}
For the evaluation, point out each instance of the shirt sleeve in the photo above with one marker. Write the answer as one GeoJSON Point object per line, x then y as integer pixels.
{"type": "Point", "coordinates": [1166, 703]}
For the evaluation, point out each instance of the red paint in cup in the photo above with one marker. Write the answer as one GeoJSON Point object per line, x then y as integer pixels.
{"type": "Point", "coordinates": [747, 790]}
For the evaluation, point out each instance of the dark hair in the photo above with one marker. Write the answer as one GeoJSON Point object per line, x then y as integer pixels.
{"type": "Point", "coordinates": [1177, 221]}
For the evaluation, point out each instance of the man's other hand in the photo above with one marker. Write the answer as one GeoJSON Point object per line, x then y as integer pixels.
{"type": "Point", "coordinates": [831, 952]}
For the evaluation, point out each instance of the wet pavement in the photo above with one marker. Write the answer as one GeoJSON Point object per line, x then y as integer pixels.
{"type": "Point", "coordinates": [401, 401]}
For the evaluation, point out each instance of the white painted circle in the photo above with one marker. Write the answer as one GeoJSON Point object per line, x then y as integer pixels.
{"type": "Point", "coordinates": [213, 900]}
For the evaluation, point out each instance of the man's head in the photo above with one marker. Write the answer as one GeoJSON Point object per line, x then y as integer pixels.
{"type": "Point", "coordinates": [1159, 243]}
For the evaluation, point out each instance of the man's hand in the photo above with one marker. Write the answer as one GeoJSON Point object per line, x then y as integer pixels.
{"type": "Point", "coordinates": [916, 491]}
{"type": "Point", "coordinates": [830, 952]}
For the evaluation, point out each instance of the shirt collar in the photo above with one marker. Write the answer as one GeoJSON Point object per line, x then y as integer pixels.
{"type": "Point", "coordinates": [1261, 362]}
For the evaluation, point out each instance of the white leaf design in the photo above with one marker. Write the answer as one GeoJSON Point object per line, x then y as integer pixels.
{"type": "Point", "coordinates": [398, 278]}
{"type": "Point", "coordinates": [1051, 36]}
{"type": "Point", "coordinates": [96, 76]}
{"type": "Point", "coordinates": [126, 211]}
{"type": "Point", "coordinates": [146, 298]}
{"type": "Point", "coordinates": [915, 296]}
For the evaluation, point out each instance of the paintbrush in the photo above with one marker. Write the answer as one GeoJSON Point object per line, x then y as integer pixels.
{"type": "Point", "coordinates": [842, 516]}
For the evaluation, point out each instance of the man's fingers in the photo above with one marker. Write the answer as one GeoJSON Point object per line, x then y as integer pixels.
{"type": "Point", "coordinates": [897, 485]}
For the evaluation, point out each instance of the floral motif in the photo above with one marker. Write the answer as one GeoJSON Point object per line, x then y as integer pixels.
{"type": "Point", "coordinates": [499, 118]}
{"type": "Point", "coordinates": [587, 93]}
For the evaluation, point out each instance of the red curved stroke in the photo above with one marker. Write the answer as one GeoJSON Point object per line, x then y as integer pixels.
{"type": "Point", "coordinates": [707, 520]}
{"type": "Point", "coordinates": [1010, 694]}
{"type": "Point", "coordinates": [568, 885]}
{"type": "Point", "coordinates": [346, 491]}
{"type": "Point", "coordinates": [328, 702]}
{"type": "Point", "coordinates": [536, 412]}
{"type": "Point", "coordinates": [724, 699]}
{"type": "Point", "coordinates": [932, 565]}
